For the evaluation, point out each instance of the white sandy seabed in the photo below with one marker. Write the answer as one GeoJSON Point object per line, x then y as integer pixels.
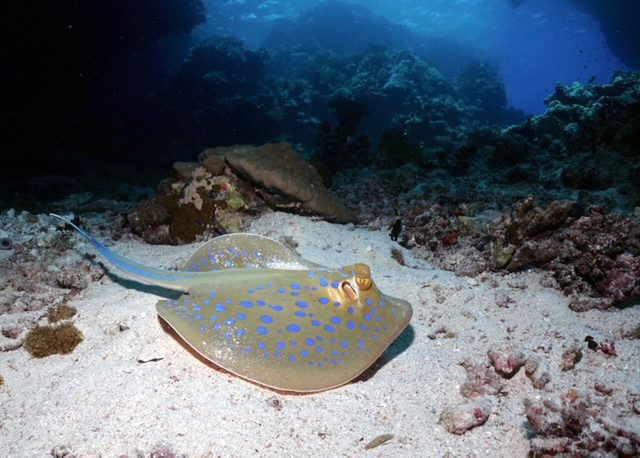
{"type": "Point", "coordinates": [100, 401]}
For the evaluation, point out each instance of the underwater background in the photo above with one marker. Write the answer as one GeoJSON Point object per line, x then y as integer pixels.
{"type": "Point", "coordinates": [490, 131]}
{"type": "Point", "coordinates": [482, 157]}
{"type": "Point", "coordinates": [132, 88]}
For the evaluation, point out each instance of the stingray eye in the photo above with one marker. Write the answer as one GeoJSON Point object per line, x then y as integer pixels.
{"type": "Point", "coordinates": [364, 283]}
{"type": "Point", "coordinates": [349, 291]}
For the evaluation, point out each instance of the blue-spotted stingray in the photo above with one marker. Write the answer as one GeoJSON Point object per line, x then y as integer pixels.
{"type": "Point", "coordinates": [257, 309]}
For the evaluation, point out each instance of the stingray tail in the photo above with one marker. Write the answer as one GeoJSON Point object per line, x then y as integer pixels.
{"type": "Point", "coordinates": [167, 278]}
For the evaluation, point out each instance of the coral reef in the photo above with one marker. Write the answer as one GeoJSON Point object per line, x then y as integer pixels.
{"type": "Point", "coordinates": [278, 167]}
{"type": "Point", "coordinates": [36, 273]}
{"type": "Point", "coordinates": [467, 211]}
{"type": "Point", "coordinates": [195, 204]}
{"type": "Point", "coordinates": [229, 185]}
{"type": "Point", "coordinates": [580, 424]}
{"type": "Point", "coordinates": [220, 93]}
{"type": "Point", "coordinates": [339, 147]}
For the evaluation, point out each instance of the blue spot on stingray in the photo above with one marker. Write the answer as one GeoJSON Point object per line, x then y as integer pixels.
{"type": "Point", "coordinates": [381, 304]}
{"type": "Point", "coordinates": [217, 326]}
{"type": "Point", "coordinates": [266, 319]}
{"type": "Point", "coordinates": [374, 311]}
{"type": "Point", "coordinates": [228, 301]}
{"type": "Point", "coordinates": [281, 290]}
{"type": "Point", "coordinates": [251, 291]}
{"type": "Point", "coordinates": [369, 302]}
{"type": "Point", "coordinates": [293, 328]}
{"type": "Point", "coordinates": [241, 316]}
{"type": "Point", "coordinates": [206, 302]}
{"type": "Point", "coordinates": [203, 261]}
{"type": "Point", "coordinates": [385, 327]}
{"type": "Point", "coordinates": [203, 328]}
{"type": "Point", "coordinates": [295, 286]}
{"type": "Point", "coordinates": [261, 303]}
{"type": "Point", "coordinates": [335, 320]}
{"type": "Point", "coordinates": [265, 355]}
{"type": "Point", "coordinates": [374, 336]}
{"type": "Point", "coordinates": [350, 310]}
{"type": "Point", "coordinates": [277, 354]}
{"type": "Point", "coordinates": [259, 287]}
{"type": "Point", "coordinates": [314, 288]}
{"type": "Point", "coordinates": [312, 275]}
{"type": "Point", "coordinates": [293, 343]}
{"type": "Point", "coordinates": [332, 340]}
{"type": "Point", "coordinates": [324, 300]}
{"type": "Point", "coordinates": [378, 318]}
{"type": "Point", "coordinates": [276, 308]}
{"type": "Point", "coordinates": [304, 353]}
{"type": "Point", "coordinates": [184, 308]}
{"type": "Point", "coordinates": [228, 335]}
{"type": "Point", "coordinates": [241, 332]}
{"type": "Point", "coordinates": [220, 308]}
{"type": "Point", "coordinates": [196, 308]}
{"type": "Point", "coordinates": [351, 325]}
{"type": "Point", "coordinates": [247, 350]}
{"type": "Point", "coordinates": [329, 328]}
{"type": "Point", "coordinates": [302, 304]}
{"type": "Point", "coordinates": [229, 321]}
{"type": "Point", "coordinates": [212, 294]}
{"type": "Point", "coordinates": [292, 359]}
{"type": "Point", "coordinates": [228, 264]}
{"type": "Point", "coordinates": [281, 345]}
{"type": "Point", "coordinates": [262, 331]}
{"type": "Point", "coordinates": [214, 318]}
{"type": "Point", "coordinates": [335, 284]}
{"type": "Point", "coordinates": [337, 304]}
{"type": "Point", "coordinates": [309, 341]}
{"type": "Point", "coordinates": [323, 282]}
{"type": "Point", "coordinates": [363, 327]}
{"type": "Point", "coordinates": [300, 313]}
{"type": "Point", "coordinates": [319, 349]}
{"type": "Point", "coordinates": [334, 353]}
{"type": "Point", "coordinates": [310, 363]}
{"type": "Point", "coordinates": [262, 346]}
{"type": "Point", "coordinates": [367, 317]}
{"type": "Point", "coordinates": [295, 294]}
{"type": "Point", "coordinates": [319, 338]}
{"type": "Point", "coordinates": [269, 285]}
{"type": "Point", "coordinates": [198, 317]}
{"type": "Point", "coordinates": [315, 323]}
{"type": "Point", "coordinates": [246, 304]}
{"type": "Point", "coordinates": [344, 344]}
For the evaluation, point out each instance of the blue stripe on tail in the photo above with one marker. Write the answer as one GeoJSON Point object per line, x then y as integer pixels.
{"type": "Point", "coordinates": [124, 263]}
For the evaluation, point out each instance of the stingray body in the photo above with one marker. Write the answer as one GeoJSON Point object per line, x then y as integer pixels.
{"type": "Point", "coordinates": [257, 309]}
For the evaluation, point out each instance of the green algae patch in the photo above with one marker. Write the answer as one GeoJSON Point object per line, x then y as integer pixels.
{"type": "Point", "coordinates": [61, 312]}
{"type": "Point", "coordinates": [43, 341]}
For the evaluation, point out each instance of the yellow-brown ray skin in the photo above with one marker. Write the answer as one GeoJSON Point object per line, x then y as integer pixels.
{"type": "Point", "coordinates": [301, 333]}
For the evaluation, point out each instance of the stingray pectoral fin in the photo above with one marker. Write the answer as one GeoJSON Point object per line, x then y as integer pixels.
{"type": "Point", "coordinates": [290, 330]}
{"type": "Point", "coordinates": [245, 250]}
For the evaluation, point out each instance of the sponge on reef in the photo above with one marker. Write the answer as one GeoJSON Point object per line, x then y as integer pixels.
{"type": "Point", "coordinates": [277, 166]}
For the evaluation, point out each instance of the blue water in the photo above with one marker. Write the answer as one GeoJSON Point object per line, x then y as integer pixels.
{"type": "Point", "coordinates": [534, 43]}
